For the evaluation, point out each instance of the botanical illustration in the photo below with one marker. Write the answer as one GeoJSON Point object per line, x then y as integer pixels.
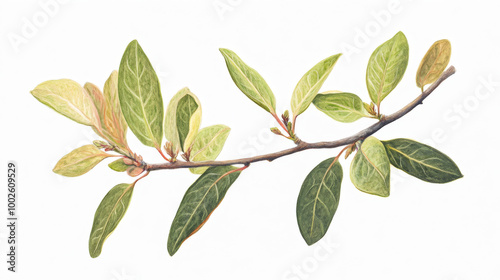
{"type": "Point", "coordinates": [131, 99]}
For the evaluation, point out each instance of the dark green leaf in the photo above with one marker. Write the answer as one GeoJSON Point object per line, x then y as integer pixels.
{"type": "Point", "coordinates": [421, 161]}
{"type": "Point", "coordinates": [200, 200]}
{"type": "Point", "coordinates": [186, 108]}
{"type": "Point", "coordinates": [190, 122]}
{"type": "Point", "coordinates": [140, 96]}
{"type": "Point", "coordinates": [108, 215]}
{"type": "Point", "coordinates": [318, 200]}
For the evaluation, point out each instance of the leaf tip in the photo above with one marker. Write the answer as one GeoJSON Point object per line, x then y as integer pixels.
{"type": "Point", "coordinates": [310, 242]}
{"type": "Point", "coordinates": [171, 251]}
{"type": "Point", "coordinates": [94, 255]}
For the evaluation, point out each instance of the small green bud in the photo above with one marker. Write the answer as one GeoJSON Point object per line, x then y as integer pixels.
{"type": "Point", "coordinates": [349, 151]}
{"type": "Point", "coordinates": [275, 130]}
{"type": "Point", "coordinates": [101, 144]}
{"type": "Point", "coordinates": [286, 117]}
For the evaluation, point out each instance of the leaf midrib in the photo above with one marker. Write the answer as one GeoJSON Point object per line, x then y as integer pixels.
{"type": "Point", "coordinates": [351, 110]}
{"type": "Point", "coordinates": [210, 142]}
{"type": "Point", "coordinates": [317, 196]}
{"type": "Point", "coordinates": [327, 72]}
{"type": "Point", "coordinates": [103, 155]}
{"type": "Point", "coordinates": [418, 161]}
{"type": "Point", "coordinates": [382, 79]}
{"type": "Point", "coordinates": [372, 164]}
{"type": "Point", "coordinates": [109, 217]}
{"type": "Point", "coordinates": [198, 205]}
{"type": "Point", "coordinates": [148, 127]}
{"type": "Point", "coordinates": [82, 114]}
{"type": "Point", "coordinates": [251, 83]}
{"type": "Point", "coordinates": [434, 64]}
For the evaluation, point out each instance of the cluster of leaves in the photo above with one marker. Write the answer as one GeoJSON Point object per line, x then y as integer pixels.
{"type": "Point", "coordinates": [131, 98]}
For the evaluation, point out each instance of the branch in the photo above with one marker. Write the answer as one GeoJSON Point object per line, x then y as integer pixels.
{"type": "Point", "coordinates": [302, 146]}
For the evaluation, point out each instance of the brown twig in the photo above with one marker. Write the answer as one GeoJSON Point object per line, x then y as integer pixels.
{"type": "Point", "coordinates": [301, 146]}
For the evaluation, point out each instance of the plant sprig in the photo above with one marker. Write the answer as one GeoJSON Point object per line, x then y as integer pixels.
{"type": "Point", "coordinates": [132, 98]}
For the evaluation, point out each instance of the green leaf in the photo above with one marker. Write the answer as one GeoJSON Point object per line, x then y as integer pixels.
{"type": "Point", "coordinates": [249, 81]}
{"type": "Point", "coordinates": [79, 161]}
{"type": "Point", "coordinates": [421, 161]}
{"type": "Point", "coordinates": [188, 120]}
{"type": "Point", "coordinates": [434, 63]}
{"type": "Point", "coordinates": [200, 200]}
{"type": "Point", "coordinates": [386, 67]}
{"type": "Point", "coordinates": [318, 200]}
{"type": "Point", "coordinates": [140, 96]}
{"type": "Point", "coordinates": [69, 99]}
{"type": "Point", "coordinates": [107, 216]}
{"type": "Point", "coordinates": [118, 165]}
{"type": "Point", "coordinates": [310, 84]}
{"type": "Point", "coordinates": [370, 168]}
{"type": "Point", "coordinates": [182, 119]}
{"type": "Point", "coordinates": [341, 106]}
{"type": "Point", "coordinates": [208, 145]}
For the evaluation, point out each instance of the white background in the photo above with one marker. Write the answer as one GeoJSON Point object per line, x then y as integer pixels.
{"type": "Point", "coordinates": [422, 231]}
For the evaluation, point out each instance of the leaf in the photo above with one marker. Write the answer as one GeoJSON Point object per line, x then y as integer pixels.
{"type": "Point", "coordinates": [318, 200]}
{"type": "Point", "coordinates": [370, 168]}
{"type": "Point", "coordinates": [421, 161]}
{"type": "Point", "coordinates": [200, 200]}
{"type": "Point", "coordinates": [118, 165]}
{"type": "Point", "coordinates": [114, 122]}
{"type": "Point", "coordinates": [140, 96]}
{"type": "Point", "coordinates": [386, 67]}
{"type": "Point", "coordinates": [182, 119]}
{"type": "Point", "coordinates": [79, 161]}
{"type": "Point", "coordinates": [310, 84]}
{"type": "Point", "coordinates": [434, 63]}
{"type": "Point", "coordinates": [186, 109]}
{"type": "Point", "coordinates": [69, 99]}
{"type": "Point", "coordinates": [341, 106]}
{"type": "Point", "coordinates": [188, 120]}
{"type": "Point", "coordinates": [97, 98]}
{"type": "Point", "coordinates": [100, 104]}
{"type": "Point", "coordinates": [107, 216]}
{"type": "Point", "coordinates": [208, 145]}
{"type": "Point", "coordinates": [249, 81]}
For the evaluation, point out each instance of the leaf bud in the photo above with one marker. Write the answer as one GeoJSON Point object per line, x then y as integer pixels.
{"type": "Point", "coordinates": [286, 117]}
{"type": "Point", "coordinates": [275, 130]}
{"type": "Point", "coordinates": [349, 151]}
{"type": "Point", "coordinates": [102, 144]}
